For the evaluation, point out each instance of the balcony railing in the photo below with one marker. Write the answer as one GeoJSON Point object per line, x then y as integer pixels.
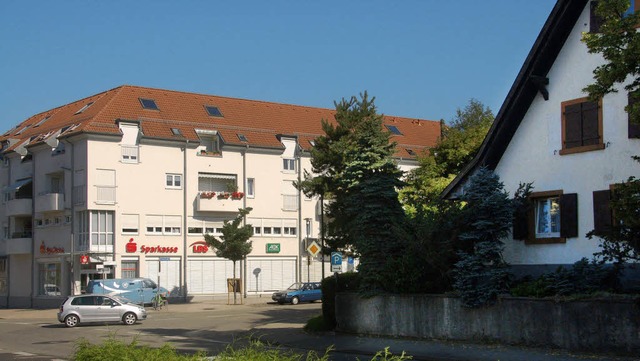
{"type": "Point", "coordinates": [215, 203]}
{"type": "Point", "coordinates": [50, 202]}
{"type": "Point", "coordinates": [19, 243]}
{"type": "Point", "coordinates": [106, 194]}
{"type": "Point", "coordinates": [19, 207]}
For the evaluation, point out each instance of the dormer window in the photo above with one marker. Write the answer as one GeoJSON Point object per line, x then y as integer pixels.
{"type": "Point", "coordinates": [209, 142]}
{"type": "Point", "coordinates": [148, 104]}
{"type": "Point", "coordinates": [213, 111]}
{"type": "Point", "coordinates": [85, 107]}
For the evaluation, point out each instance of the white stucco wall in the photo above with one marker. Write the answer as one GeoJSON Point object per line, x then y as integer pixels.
{"type": "Point", "coordinates": [533, 153]}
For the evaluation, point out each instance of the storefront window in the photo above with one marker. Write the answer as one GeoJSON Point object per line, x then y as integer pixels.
{"type": "Point", "coordinates": [49, 277]}
{"type": "Point", "coordinates": [129, 269]}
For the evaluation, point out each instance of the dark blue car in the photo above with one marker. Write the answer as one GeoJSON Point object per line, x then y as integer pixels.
{"type": "Point", "coordinates": [299, 292]}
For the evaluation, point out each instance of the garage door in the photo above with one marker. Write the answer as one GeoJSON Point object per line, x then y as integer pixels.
{"type": "Point", "coordinates": [270, 274]}
{"type": "Point", "coordinates": [168, 268]}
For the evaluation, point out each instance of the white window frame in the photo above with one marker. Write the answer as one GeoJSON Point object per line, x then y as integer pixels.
{"type": "Point", "coordinates": [548, 217]}
{"type": "Point", "coordinates": [289, 165]}
{"type": "Point", "coordinates": [251, 188]}
{"type": "Point", "coordinates": [130, 223]}
{"type": "Point", "coordinates": [173, 180]}
{"type": "Point", "coordinates": [168, 225]}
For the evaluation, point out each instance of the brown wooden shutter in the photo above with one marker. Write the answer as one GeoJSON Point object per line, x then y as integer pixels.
{"type": "Point", "coordinates": [569, 215]}
{"type": "Point", "coordinates": [602, 218]}
{"type": "Point", "coordinates": [594, 21]}
{"type": "Point", "coordinates": [521, 223]}
{"type": "Point", "coordinates": [590, 129]}
{"type": "Point", "coordinates": [573, 125]}
{"type": "Point", "coordinates": [634, 128]}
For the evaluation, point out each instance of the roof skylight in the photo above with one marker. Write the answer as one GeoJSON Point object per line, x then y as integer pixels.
{"type": "Point", "coordinates": [213, 111]}
{"type": "Point", "coordinates": [411, 152]}
{"type": "Point", "coordinates": [42, 121]}
{"type": "Point", "coordinates": [148, 103]}
{"type": "Point", "coordinates": [176, 131]}
{"type": "Point", "coordinates": [393, 129]}
{"type": "Point", "coordinates": [84, 108]}
{"type": "Point", "coordinates": [242, 138]}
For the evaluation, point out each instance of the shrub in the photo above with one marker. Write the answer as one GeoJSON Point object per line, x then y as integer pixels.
{"type": "Point", "coordinates": [584, 277]}
{"type": "Point", "coordinates": [349, 281]}
{"type": "Point", "coordinates": [113, 349]}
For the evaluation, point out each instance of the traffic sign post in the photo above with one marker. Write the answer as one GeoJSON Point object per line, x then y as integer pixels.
{"type": "Point", "coordinates": [336, 262]}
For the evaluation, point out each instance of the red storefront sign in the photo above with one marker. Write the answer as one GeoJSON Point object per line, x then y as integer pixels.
{"type": "Point", "coordinates": [84, 259]}
{"type": "Point", "coordinates": [199, 247]}
{"type": "Point", "coordinates": [50, 250]}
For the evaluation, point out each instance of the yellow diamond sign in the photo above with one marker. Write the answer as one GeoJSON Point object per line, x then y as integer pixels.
{"type": "Point", "coordinates": [313, 249]}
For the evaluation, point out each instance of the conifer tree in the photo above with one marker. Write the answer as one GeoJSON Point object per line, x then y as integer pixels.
{"type": "Point", "coordinates": [481, 273]}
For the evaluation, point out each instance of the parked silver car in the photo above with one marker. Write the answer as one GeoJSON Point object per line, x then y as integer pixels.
{"type": "Point", "coordinates": [99, 308]}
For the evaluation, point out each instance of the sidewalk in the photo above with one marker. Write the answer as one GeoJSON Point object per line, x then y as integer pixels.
{"type": "Point", "coordinates": [292, 335]}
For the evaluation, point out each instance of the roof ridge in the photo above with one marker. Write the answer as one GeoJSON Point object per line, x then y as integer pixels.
{"type": "Point", "coordinates": [117, 91]}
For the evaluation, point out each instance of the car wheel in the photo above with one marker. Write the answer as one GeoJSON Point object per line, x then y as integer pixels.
{"type": "Point", "coordinates": [129, 318]}
{"type": "Point", "coordinates": [71, 321]}
{"type": "Point", "coordinates": [295, 301]}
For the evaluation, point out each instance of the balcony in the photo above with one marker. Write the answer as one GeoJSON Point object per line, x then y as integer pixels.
{"type": "Point", "coordinates": [50, 202]}
{"type": "Point", "coordinates": [218, 204]}
{"type": "Point", "coordinates": [19, 243]}
{"type": "Point", "coordinates": [19, 207]}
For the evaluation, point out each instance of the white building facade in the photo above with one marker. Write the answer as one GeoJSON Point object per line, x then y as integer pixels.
{"type": "Point", "coordinates": [572, 149]}
{"type": "Point", "coordinates": [126, 183]}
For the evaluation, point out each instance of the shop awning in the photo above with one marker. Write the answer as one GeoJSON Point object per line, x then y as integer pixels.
{"type": "Point", "coordinates": [17, 185]}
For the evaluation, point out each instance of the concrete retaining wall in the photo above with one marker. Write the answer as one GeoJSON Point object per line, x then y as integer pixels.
{"type": "Point", "coordinates": [611, 326]}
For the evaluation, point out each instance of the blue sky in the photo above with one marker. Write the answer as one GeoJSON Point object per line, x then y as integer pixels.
{"type": "Point", "coordinates": [419, 58]}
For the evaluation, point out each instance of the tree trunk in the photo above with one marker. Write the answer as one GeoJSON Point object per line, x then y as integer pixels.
{"type": "Point", "coordinates": [234, 282]}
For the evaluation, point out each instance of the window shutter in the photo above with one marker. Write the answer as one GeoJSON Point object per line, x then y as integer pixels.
{"type": "Point", "coordinates": [521, 222]}
{"type": "Point", "coordinates": [634, 129]}
{"type": "Point", "coordinates": [590, 132]}
{"type": "Point", "coordinates": [594, 21]}
{"type": "Point", "coordinates": [573, 125]}
{"type": "Point", "coordinates": [602, 217]}
{"type": "Point", "coordinates": [569, 215]}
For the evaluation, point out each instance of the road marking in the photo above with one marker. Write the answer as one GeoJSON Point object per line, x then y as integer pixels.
{"type": "Point", "coordinates": [20, 353]}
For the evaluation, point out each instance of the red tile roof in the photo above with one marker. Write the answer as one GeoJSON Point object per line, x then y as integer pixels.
{"type": "Point", "coordinates": [259, 121]}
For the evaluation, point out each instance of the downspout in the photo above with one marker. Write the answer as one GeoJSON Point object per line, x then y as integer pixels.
{"type": "Point", "coordinates": [33, 214]}
{"type": "Point", "coordinates": [244, 221]}
{"type": "Point", "coordinates": [300, 245]}
{"type": "Point", "coordinates": [73, 219]}
{"type": "Point", "coordinates": [184, 221]}
{"type": "Point", "coordinates": [8, 265]}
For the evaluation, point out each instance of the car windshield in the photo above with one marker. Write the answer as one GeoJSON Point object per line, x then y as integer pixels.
{"type": "Point", "coordinates": [294, 287]}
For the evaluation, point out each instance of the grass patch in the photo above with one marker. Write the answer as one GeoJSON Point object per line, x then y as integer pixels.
{"type": "Point", "coordinates": [256, 350]}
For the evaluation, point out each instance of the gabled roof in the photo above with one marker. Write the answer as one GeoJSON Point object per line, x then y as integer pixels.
{"type": "Point", "coordinates": [530, 81]}
{"type": "Point", "coordinates": [258, 121]}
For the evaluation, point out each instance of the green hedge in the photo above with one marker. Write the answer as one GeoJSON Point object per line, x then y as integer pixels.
{"type": "Point", "coordinates": [349, 281]}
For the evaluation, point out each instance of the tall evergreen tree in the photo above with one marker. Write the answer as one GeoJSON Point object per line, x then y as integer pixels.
{"type": "Point", "coordinates": [481, 273]}
{"type": "Point", "coordinates": [234, 243]}
{"type": "Point", "coordinates": [353, 164]}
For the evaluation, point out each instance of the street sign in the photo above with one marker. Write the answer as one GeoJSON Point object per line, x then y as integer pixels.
{"type": "Point", "coordinates": [336, 262]}
{"type": "Point", "coordinates": [313, 249]}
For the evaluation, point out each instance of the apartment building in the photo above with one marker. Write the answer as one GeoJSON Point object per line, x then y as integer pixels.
{"type": "Point", "coordinates": [125, 183]}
